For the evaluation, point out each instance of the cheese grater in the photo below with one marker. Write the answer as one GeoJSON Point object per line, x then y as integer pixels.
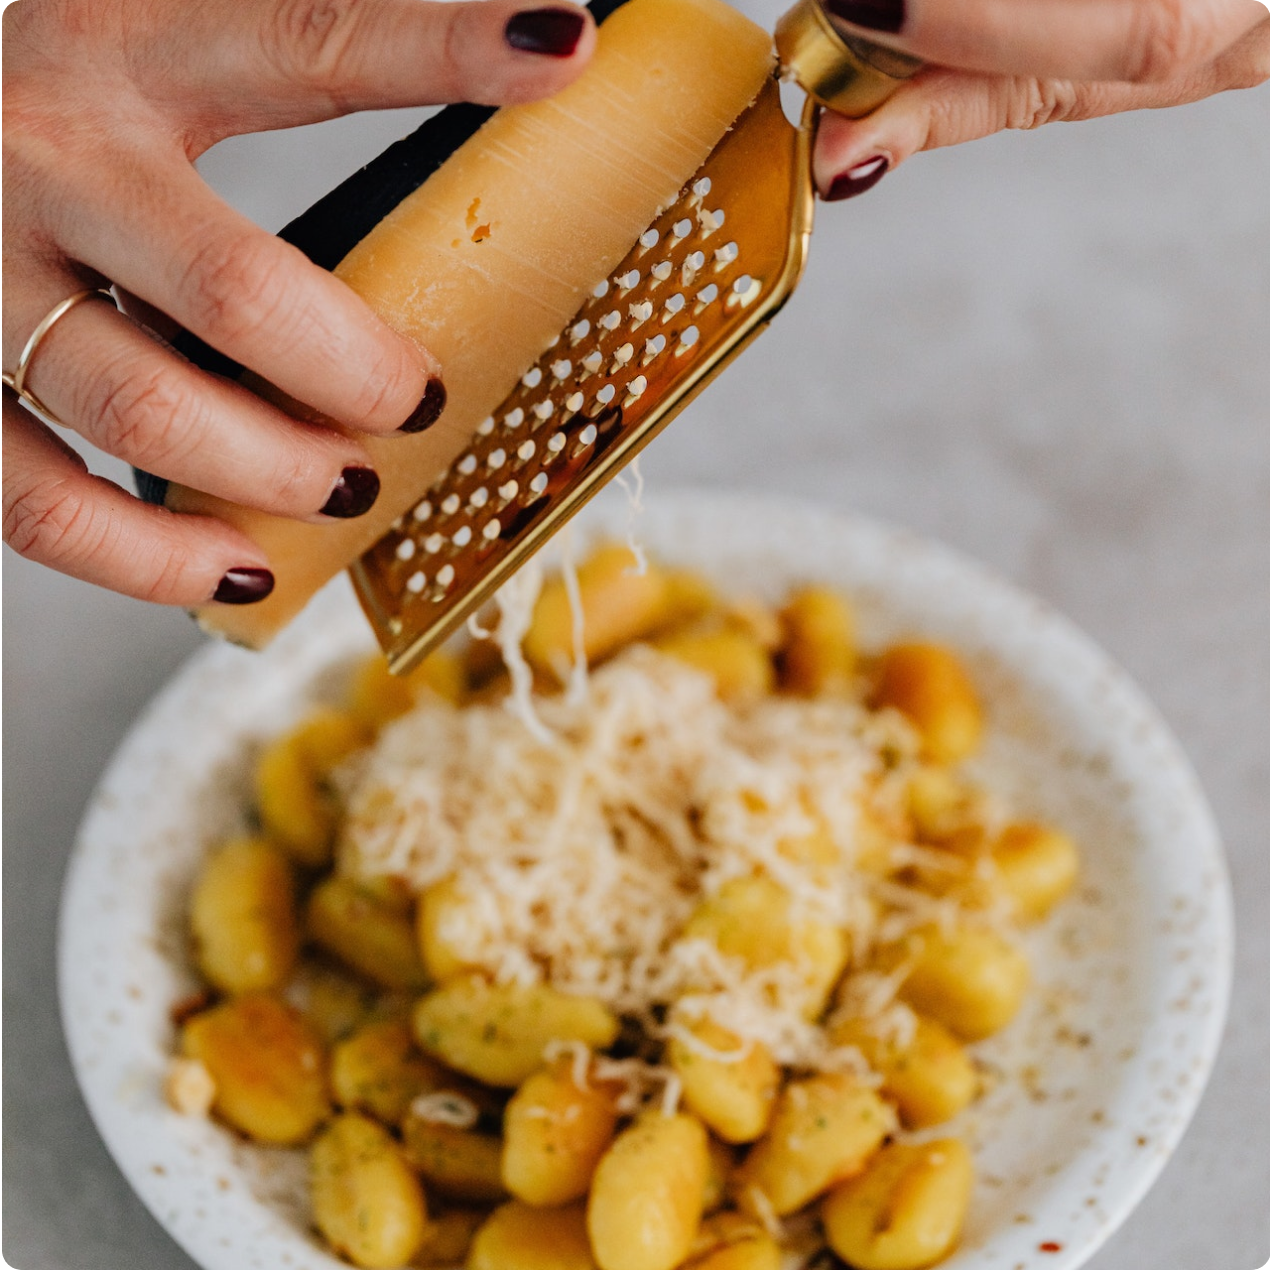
{"type": "Point", "coordinates": [701, 282]}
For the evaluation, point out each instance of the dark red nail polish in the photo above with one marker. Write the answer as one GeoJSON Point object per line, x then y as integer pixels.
{"type": "Point", "coordinates": [428, 411]}
{"type": "Point", "coordinates": [354, 494]}
{"type": "Point", "coordinates": [873, 15]}
{"type": "Point", "coordinates": [553, 32]}
{"type": "Point", "coordinates": [864, 176]}
{"type": "Point", "coordinates": [243, 586]}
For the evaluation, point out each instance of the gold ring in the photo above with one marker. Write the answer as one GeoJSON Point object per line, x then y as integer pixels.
{"type": "Point", "coordinates": [17, 380]}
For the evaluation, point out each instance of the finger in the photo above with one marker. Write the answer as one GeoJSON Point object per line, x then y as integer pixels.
{"type": "Point", "coordinates": [1141, 41]}
{"type": "Point", "coordinates": [57, 514]}
{"type": "Point", "coordinates": [945, 107]}
{"type": "Point", "coordinates": [318, 58]}
{"type": "Point", "coordinates": [254, 297]}
{"type": "Point", "coordinates": [137, 399]}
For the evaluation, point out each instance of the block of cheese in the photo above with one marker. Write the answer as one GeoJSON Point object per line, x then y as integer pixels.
{"type": "Point", "coordinates": [489, 259]}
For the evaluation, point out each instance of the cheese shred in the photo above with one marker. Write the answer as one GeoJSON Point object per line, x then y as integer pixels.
{"type": "Point", "coordinates": [584, 834]}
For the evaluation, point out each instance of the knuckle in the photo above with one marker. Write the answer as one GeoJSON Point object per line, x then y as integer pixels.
{"type": "Point", "coordinates": [1166, 37]}
{"type": "Point", "coordinates": [177, 578]}
{"type": "Point", "coordinates": [233, 287]}
{"type": "Point", "coordinates": [311, 42]}
{"type": "Point", "coordinates": [1249, 66]}
{"type": "Point", "coordinates": [135, 414]}
{"type": "Point", "coordinates": [47, 521]}
{"type": "Point", "coordinates": [294, 481]}
{"type": "Point", "coordinates": [380, 392]}
{"type": "Point", "coordinates": [1032, 103]}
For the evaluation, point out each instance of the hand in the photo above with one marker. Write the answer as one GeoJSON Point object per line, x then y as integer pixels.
{"type": "Point", "coordinates": [107, 103]}
{"type": "Point", "coordinates": [998, 64]}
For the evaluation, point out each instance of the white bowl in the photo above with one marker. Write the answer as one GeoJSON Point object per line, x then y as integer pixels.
{"type": "Point", "coordinates": [1099, 1077]}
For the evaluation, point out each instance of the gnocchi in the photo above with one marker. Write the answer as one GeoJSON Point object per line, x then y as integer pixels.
{"type": "Point", "coordinates": [508, 1115]}
{"type": "Point", "coordinates": [267, 1065]}
{"type": "Point", "coordinates": [367, 1202]}
{"type": "Point", "coordinates": [906, 1211]}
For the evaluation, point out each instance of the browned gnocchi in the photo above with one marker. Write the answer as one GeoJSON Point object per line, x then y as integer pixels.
{"type": "Point", "coordinates": [634, 997]}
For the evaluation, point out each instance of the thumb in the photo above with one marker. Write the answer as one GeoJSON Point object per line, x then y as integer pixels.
{"type": "Point", "coordinates": [298, 61]}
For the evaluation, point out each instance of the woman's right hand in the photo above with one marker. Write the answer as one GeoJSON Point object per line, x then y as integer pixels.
{"type": "Point", "coordinates": [106, 104]}
{"type": "Point", "coordinates": [997, 64]}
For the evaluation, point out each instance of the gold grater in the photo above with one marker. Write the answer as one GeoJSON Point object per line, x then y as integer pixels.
{"type": "Point", "coordinates": [701, 282]}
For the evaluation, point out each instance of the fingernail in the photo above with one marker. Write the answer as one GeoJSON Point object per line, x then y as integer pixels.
{"type": "Point", "coordinates": [243, 586]}
{"type": "Point", "coordinates": [873, 15]}
{"type": "Point", "coordinates": [354, 494]}
{"type": "Point", "coordinates": [428, 411]}
{"type": "Point", "coordinates": [554, 32]}
{"type": "Point", "coordinates": [864, 176]}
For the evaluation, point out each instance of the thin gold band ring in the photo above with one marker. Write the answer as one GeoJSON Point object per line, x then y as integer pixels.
{"type": "Point", "coordinates": [17, 380]}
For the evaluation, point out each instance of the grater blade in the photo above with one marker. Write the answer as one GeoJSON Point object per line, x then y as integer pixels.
{"type": "Point", "coordinates": [702, 281]}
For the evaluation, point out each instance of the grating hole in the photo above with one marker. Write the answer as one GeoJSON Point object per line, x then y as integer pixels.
{"type": "Point", "coordinates": [450, 505]}
{"type": "Point", "coordinates": [653, 347]}
{"type": "Point", "coordinates": [433, 543]}
{"type": "Point", "coordinates": [707, 295]}
{"type": "Point", "coordinates": [682, 228]}
{"type": "Point", "coordinates": [640, 313]}
{"type": "Point", "coordinates": [416, 582]}
{"type": "Point", "coordinates": [587, 436]}
{"type": "Point", "coordinates": [491, 531]}
{"type": "Point", "coordinates": [463, 536]}
{"type": "Point", "coordinates": [526, 451]}
{"type": "Point", "coordinates": [610, 321]}
{"type": "Point", "coordinates": [701, 187]}
{"type": "Point", "coordinates": [629, 279]}
{"type": "Point", "coordinates": [662, 271]}
{"type": "Point", "coordinates": [688, 338]}
{"type": "Point", "coordinates": [445, 575]}
{"type": "Point", "coordinates": [480, 496]}
{"type": "Point", "coordinates": [508, 490]}
{"type": "Point", "coordinates": [710, 221]}
{"type": "Point", "coordinates": [486, 426]}
{"type": "Point", "coordinates": [623, 355]}
{"type": "Point", "coordinates": [423, 511]}
{"type": "Point", "coordinates": [637, 387]}
{"type": "Point", "coordinates": [544, 408]}
{"type": "Point", "coordinates": [579, 331]}
{"type": "Point", "coordinates": [562, 369]}
{"type": "Point", "coordinates": [592, 362]}
{"type": "Point", "coordinates": [405, 549]}
{"type": "Point", "coordinates": [573, 402]}
{"type": "Point", "coordinates": [726, 254]}
{"type": "Point", "coordinates": [496, 459]}
{"type": "Point", "coordinates": [649, 238]}
{"type": "Point", "coordinates": [691, 267]}
{"type": "Point", "coordinates": [674, 304]}
{"type": "Point", "coordinates": [532, 377]}
{"type": "Point", "coordinates": [514, 419]}
{"type": "Point", "coordinates": [557, 443]}
{"type": "Point", "coordinates": [601, 289]}
{"type": "Point", "coordinates": [744, 289]}
{"type": "Point", "coordinates": [606, 394]}
{"type": "Point", "coordinates": [467, 465]}
{"type": "Point", "coordinates": [539, 483]}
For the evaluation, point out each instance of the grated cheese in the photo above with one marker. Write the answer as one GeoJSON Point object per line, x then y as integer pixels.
{"type": "Point", "coordinates": [583, 844]}
{"type": "Point", "coordinates": [190, 1088]}
{"type": "Point", "coordinates": [447, 1108]}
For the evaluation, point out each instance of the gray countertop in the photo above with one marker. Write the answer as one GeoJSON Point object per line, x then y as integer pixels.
{"type": "Point", "coordinates": [1052, 351]}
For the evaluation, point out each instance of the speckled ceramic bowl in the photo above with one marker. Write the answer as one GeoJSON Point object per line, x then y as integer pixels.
{"type": "Point", "coordinates": [1097, 1079]}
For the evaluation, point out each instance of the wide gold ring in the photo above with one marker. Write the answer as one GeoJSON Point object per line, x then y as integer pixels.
{"type": "Point", "coordinates": [17, 380]}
